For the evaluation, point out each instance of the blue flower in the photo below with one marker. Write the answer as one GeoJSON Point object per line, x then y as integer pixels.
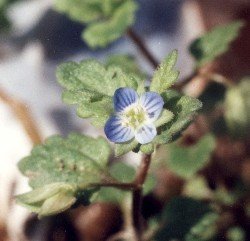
{"type": "Point", "coordinates": [134, 116]}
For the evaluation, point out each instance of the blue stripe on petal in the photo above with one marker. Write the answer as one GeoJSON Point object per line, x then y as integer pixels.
{"type": "Point", "coordinates": [146, 133]}
{"type": "Point", "coordinates": [124, 97]}
{"type": "Point", "coordinates": [115, 132]}
{"type": "Point", "coordinates": [153, 103]}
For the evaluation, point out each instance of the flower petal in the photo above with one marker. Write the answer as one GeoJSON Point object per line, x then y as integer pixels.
{"type": "Point", "coordinates": [124, 97]}
{"type": "Point", "coordinates": [116, 132]}
{"type": "Point", "coordinates": [145, 133]}
{"type": "Point", "coordinates": [153, 103]}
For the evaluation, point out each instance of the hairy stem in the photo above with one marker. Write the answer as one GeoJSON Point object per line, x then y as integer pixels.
{"type": "Point", "coordinates": [138, 195]}
{"type": "Point", "coordinates": [142, 47]}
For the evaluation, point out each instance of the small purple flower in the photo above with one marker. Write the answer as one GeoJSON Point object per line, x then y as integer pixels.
{"type": "Point", "coordinates": [134, 116]}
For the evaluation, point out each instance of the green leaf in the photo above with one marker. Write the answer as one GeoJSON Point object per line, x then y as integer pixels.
{"type": "Point", "coordinates": [76, 160]}
{"type": "Point", "coordinates": [122, 172]}
{"type": "Point", "coordinates": [57, 204]}
{"type": "Point", "coordinates": [237, 109]}
{"type": "Point", "coordinates": [165, 75]}
{"type": "Point", "coordinates": [83, 11]}
{"type": "Point", "coordinates": [114, 195]}
{"type": "Point", "coordinates": [42, 193]}
{"type": "Point", "coordinates": [214, 43]}
{"type": "Point", "coordinates": [121, 149]}
{"type": "Point", "coordinates": [236, 233]}
{"type": "Point", "coordinates": [186, 161]}
{"type": "Point", "coordinates": [127, 64]}
{"type": "Point", "coordinates": [179, 216]}
{"type": "Point", "coordinates": [109, 6]}
{"type": "Point", "coordinates": [165, 117]}
{"type": "Point", "coordinates": [149, 184]}
{"type": "Point", "coordinates": [126, 173]}
{"type": "Point", "coordinates": [102, 33]}
{"type": "Point", "coordinates": [197, 188]}
{"type": "Point", "coordinates": [91, 86]}
{"type": "Point", "coordinates": [205, 229]}
{"type": "Point", "coordinates": [183, 108]}
{"type": "Point", "coordinates": [4, 21]}
{"type": "Point", "coordinates": [49, 199]}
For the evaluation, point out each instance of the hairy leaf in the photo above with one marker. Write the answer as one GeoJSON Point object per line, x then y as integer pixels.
{"type": "Point", "coordinates": [76, 160]}
{"type": "Point", "coordinates": [186, 161]}
{"type": "Point", "coordinates": [49, 199]}
{"type": "Point", "coordinates": [127, 64]}
{"type": "Point", "coordinates": [123, 148]}
{"type": "Point", "coordinates": [183, 108]}
{"type": "Point", "coordinates": [100, 34]}
{"type": "Point", "coordinates": [165, 117]}
{"type": "Point", "coordinates": [83, 11]}
{"type": "Point", "coordinates": [57, 204]}
{"type": "Point", "coordinates": [214, 43]}
{"type": "Point", "coordinates": [165, 75]}
{"type": "Point", "coordinates": [91, 86]}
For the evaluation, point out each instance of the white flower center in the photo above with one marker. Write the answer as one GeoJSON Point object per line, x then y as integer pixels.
{"type": "Point", "coordinates": [134, 116]}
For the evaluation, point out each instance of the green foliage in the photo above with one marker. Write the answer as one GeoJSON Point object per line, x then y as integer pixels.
{"type": "Point", "coordinates": [237, 109]}
{"type": "Point", "coordinates": [121, 149]}
{"type": "Point", "coordinates": [183, 108]}
{"type": "Point", "coordinates": [102, 33]}
{"type": "Point", "coordinates": [91, 86]}
{"type": "Point", "coordinates": [107, 19]}
{"type": "Point", "coordinates": [61, 170]}
{"type": "Point", "coordinates": [236, 234]}
{"type": "Point", "coordinates": [73, 160]}
{"type": "Point", "coordinates": [4, 21]}
{"type": "Point", "coordinates": [186, 161]}
{"type": "Point", "coordinates": [197, 188]}
{"type": "Point", "coordinates": [178, 217]}
{"type": "Point", "coordinates": [127, 64]}
{"type": "Point", "coordinates": [205, 229]}
{"type": "Point", "coordinates": [214, 43]}
{"type": "Point", "coordinates": [49, 199]}
{"type": "Point", "coordinates": [165, 75]}
{"type": "Point", "coordinates": [165, 117]}
{"type": "Point", "coordinates": [124, 173]}
{"type": "Point", "coordinates": [83, 11]}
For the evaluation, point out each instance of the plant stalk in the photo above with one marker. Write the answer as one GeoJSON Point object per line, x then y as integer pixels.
{"type": "Point", "coordinates": [138, 195]}
{"type": "Point", "coordinates": [142, 47]}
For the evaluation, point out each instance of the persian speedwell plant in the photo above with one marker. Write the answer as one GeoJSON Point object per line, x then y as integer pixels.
{"type": "Point", "coordinates": [65, 172]}
{"type": "Point", "coordinates": [68, 171]}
